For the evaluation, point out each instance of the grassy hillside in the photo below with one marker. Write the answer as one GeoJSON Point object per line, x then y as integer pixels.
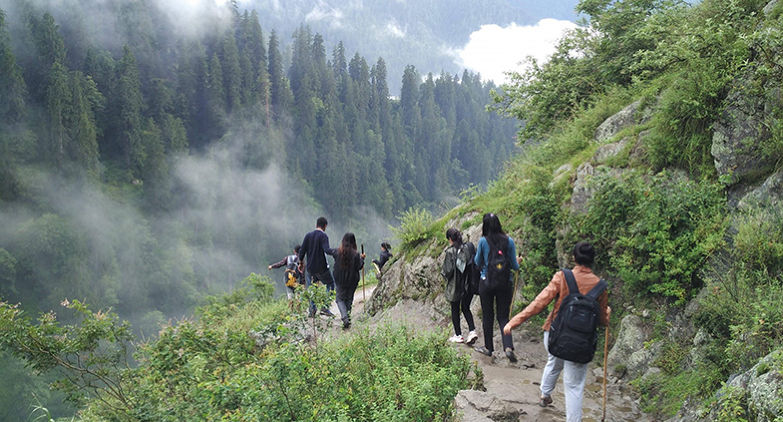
{"type": "Point", "coordinates": [681, 227]}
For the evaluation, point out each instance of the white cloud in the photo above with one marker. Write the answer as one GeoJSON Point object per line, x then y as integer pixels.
{"type": "Point", "coordinates": [394, 29]}
{"type": "Point", "coordinates": [325, 12]}
{"type": "Point", "coordinates": [493, 49]}
{"type": "Point", "coordinates": [193, 18]}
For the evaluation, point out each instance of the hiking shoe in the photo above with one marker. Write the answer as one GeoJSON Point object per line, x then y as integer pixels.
{"type": "Point", "coordinates": [510, 355]}
{"type": "Point", "coordinates": [472, 337]}
{"type": "Point", "coordinates": [346, 325]}
{"type": "Point", "coordinates": [326, 312]}
{"type": "Point", "coordinates": [545, 401]}
{"type": "Point", "coordinates": [456, 338]}
{"type": "Point", "coordinates": [483, 350]}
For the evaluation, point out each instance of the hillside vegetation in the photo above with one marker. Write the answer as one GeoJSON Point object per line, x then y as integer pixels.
{"type": "Point", "coordinates": [655, 132]}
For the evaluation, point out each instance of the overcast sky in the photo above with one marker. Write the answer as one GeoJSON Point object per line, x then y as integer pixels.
{"type": "Point", "coordinates": [493, 50]}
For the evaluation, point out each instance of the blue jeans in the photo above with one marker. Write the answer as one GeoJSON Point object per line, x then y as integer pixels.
{"type": "Point", "coordinates": [324, 277]}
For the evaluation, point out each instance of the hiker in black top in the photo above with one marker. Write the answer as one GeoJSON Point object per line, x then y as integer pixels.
{"type": "Point", "coordinates": [347, 264]}
{"type": "Point", "coordinates": [315, 247]}
{"type": "Point", "coordinates": [385, 255]}
{"type": "Point", "coordinates": [457, 266]}
{"type": "Point", "coordinates": [291, 263]}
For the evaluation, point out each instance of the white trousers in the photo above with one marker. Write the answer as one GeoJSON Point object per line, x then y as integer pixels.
{"type": "Point", "coordinates": [573, 381]}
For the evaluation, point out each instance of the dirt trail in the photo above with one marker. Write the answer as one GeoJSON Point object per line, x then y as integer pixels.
{"type": "Point", "coordinates": [513, 385]}
{"type": "Point", "coordinates": [517, 384]}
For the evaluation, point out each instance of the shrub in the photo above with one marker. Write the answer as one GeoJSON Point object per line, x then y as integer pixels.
{"type": "Point", "coordinates": [415, 226]}
{"type": "Point", "coordinates": [654, 231]}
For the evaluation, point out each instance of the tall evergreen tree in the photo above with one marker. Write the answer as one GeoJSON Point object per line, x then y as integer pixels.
{"type": "Point", "coordinates": [12, 87]}
{"type": "Point", "coordinates": [81, 129]}
{"type": "Point", "coordinates": [231, 71]}
{"type": "Point", "coordinates": [129, 118]}
{"type": "Point", "coordinates": [50, 49]}
{"type": "Point", "coordinates": [279, 90]}
{"type": "Point", "coordinates": [57, 100]}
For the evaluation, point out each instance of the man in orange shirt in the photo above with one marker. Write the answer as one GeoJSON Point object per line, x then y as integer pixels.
{"type": "Point", "coordinates": [557, 290]}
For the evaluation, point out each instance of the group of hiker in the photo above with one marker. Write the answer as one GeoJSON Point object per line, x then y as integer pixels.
{"type": "Point", "coordinates": [580, 297]}
{"type": "Point", "coordinates": [348, 262]}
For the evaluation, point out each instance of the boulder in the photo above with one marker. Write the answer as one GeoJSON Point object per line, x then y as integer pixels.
{"type": "Point", "coordinates": [419, 279]}
{"type": "Point", "coordinates": [477, 406]}
{"type": "Point", "coordinates": [765, 387]}
{"type": "Point", "coordinates": [624, 118]}
{"type": "Point", "coordinates": [738, 135]}
{"type": "Point", "coordinates": [769, 193]}
{"type": "Point", "coordinates": [583, 190]}
{"type": "Point", "coordinates": [770, 7]}
{"type": "Point", "coordinates": [630, 356]}
{"type": "Point", "coordinates": [608, 151]}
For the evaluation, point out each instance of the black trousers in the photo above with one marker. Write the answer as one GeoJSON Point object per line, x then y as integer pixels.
{"type": "Point", "coordinates": [464, 303]}
{"type": "Point", "coordinates": [492, 296]}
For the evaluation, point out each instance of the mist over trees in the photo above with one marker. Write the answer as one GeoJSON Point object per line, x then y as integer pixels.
{"type": "Point", "coordinates": [145, 162]}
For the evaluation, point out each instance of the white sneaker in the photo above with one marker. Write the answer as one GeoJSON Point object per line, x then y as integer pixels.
{"type": "Point", "coordinates": [456, 339]}
{"type": "Point", "coordinates": [472, 337]}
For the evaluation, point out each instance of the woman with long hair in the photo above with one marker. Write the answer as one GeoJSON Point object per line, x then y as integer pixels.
{"type": "Point", "coordinates": [455, 271]}
{"type": "Point", "coordinates": [496, 258]}
{"type": "Point", "coordinates": [347, 264]}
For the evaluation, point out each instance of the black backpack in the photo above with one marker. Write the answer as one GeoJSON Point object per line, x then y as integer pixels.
{"type": "Point", "coordinates": [572, 335]}
{"type": "Point", "coordinates": [498, 266]}
{"type": "Point", "coordinates": [472, 273]}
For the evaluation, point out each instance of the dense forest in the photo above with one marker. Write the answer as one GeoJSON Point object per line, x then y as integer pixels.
{"type": "Point", "coordinates": [143, 165]}
{"type": "Point", "coordinates": [424, 33]}
{"type": "Point", "coordinates": [655, 131]}
{"type": "Point", "coordinates": [132, 123]}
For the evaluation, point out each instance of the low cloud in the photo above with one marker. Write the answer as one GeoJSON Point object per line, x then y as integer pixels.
{"type": "Point", "coordinates": [325, 12]}
{"type": "Point", "coordinates": [493, 50]}
{"type": "Point", "coordinates": [394, 30]}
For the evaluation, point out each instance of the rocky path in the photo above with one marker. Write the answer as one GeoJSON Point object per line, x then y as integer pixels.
{"type": "Point", "coordinates": [512, 389]}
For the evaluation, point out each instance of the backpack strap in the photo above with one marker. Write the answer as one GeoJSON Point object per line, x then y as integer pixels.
{"type": "Point", "coordinates": [573, 288]}
{"type": "Point", "coordinates": [570, 281]}
{"type": "Point", "coordinates": [597, 290]}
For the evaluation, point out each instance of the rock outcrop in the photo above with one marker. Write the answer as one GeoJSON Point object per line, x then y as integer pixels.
{"type": "Point", "coordinates": [629, 116]}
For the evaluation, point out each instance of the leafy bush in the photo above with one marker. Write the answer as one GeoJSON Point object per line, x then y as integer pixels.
{"type": "Point", "coordinates": [248, 357]}
{"type": "Point", "coordinates": [657, 230]}
{"type": "Point", "coordinates": [705, 55]}
{"type": "Point", "coordinates": [415, 226]}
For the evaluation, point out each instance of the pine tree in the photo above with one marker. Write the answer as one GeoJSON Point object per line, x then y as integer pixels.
{"type": "Point", "coordinates": [129, 118]}
{"type": "Point", "coordinates": [50, 49]}
{"type": "Point", "coordinates": [81, 129]}
{"type": "Point", "coordinates": [231, 71]}
{"type": "Point", "coordinates": [279, 90]}
{"type": "Point", "coordinates": [12, 87]}
{"type": "Point", "coordinates": [58, 99]}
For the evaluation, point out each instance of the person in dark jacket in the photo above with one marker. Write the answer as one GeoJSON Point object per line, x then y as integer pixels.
{"type": "Point", "coordinates": [385, 255]}
{"type": "Point", "coordinates": [455, 270]}
{"type": "Point", "coordinates": [347, 264]}
{"type": "Point", "coordinates": [291, 263]}
{"type": "Point", "coordinates": [495, 292]}
{"type": "Point", "coordinates": [315, 247]}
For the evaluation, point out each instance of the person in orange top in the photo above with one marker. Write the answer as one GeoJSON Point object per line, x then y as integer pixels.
{"type": "Point", "coordinates": [557, 290]}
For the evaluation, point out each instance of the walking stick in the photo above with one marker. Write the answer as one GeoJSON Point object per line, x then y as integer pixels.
{"type": "Point", "coordinates": [606, 352]}
{"type": "Point", "coordinates": [364, 298]}
{"type": "Point", "coordinates": [513, 292]}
